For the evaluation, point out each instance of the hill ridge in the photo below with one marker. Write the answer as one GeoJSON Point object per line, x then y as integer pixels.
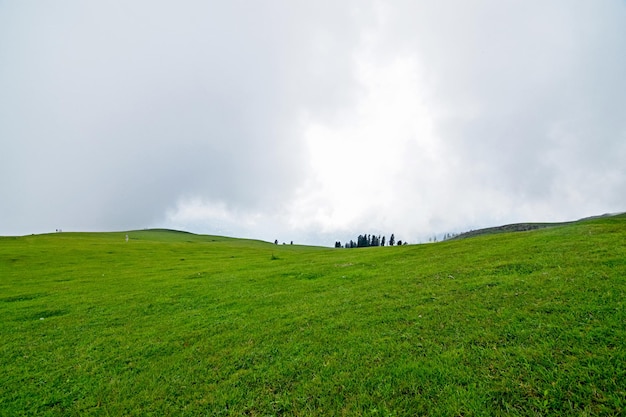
{"type": "Point", "coordinates": [527, 226]}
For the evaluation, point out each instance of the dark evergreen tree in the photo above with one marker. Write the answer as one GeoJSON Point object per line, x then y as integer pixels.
{"type": "Point", "coordinates": [366, 240]}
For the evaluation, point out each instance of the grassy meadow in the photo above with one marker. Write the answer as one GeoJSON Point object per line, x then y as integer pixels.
{"type": "Point", "coordinates": [170, 323]}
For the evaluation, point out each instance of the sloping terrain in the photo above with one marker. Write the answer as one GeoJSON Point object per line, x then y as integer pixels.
{"type": "Point", "coordinates": [172, 323]}
{"type": "Point", "coordinates": [523, 227]}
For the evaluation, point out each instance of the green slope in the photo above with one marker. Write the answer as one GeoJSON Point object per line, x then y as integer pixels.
{"type": "Point", "coordinates": [523, 227]}
{"type": "Point", "coordinates": [172, 323]}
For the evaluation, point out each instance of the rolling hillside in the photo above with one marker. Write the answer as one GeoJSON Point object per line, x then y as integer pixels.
{"type": "Point", "coordinates": [524, 227]}
{"type": "Point", "coordinates": [172, 323]}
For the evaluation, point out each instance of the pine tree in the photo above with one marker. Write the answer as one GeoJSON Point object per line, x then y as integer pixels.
{"type": "Point", "coordinates": [392, 240]}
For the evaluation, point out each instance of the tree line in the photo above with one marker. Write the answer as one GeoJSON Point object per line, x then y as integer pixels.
{"type": "Point", "coordinates": [364, 241]}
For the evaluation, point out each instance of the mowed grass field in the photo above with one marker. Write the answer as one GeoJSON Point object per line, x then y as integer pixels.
{"type": "Point", "coordinates": [171, 323]}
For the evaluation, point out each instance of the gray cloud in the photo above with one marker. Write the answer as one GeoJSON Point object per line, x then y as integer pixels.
{"type": "Point", "coordinates": [196, 114]}
{"type": "Point", "coordinates": [115, 110]}
{"type": "Point", "coordinates": [531, 97]}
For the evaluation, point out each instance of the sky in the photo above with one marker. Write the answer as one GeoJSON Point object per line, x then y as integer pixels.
{"type": "Point", "coordinates": [310, 121]}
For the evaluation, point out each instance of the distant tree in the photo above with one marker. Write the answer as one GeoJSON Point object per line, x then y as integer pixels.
{"type": "Point", "coordinates": [337, 244]}
{"type": "Point", "coordinates": [291, 242]}
{"type": "Point", "coordinates": [276, 242]}
{"type": "Point", "coordinates": [366, 240]}
{"type": "Point", "coordinates": [399, 243]}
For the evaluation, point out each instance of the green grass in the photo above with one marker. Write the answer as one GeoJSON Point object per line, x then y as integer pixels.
{"type": "Point", "coordinates": [171, 323]}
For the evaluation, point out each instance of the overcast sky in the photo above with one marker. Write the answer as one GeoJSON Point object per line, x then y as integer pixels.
{"type": "Point", "coordinates": [311, 121]}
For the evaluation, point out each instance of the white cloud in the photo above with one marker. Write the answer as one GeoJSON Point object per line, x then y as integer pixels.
{"type": "Point", "coordinates": [356, 165]}
{"type": "Point", "coordinates": [311, 121]}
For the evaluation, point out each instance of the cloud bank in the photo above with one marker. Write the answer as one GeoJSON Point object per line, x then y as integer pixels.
{"type": "Point", "coordinates": [310, 121]}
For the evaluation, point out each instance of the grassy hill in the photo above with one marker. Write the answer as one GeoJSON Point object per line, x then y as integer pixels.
{"type": "Point", "coordinates": [523, 227]}
{"type": "Point", "coordinates": [173, 323]}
